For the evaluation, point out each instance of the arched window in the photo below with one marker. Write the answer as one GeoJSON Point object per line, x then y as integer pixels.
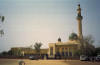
{"type": "Point", "coordinates": [66, 53]}
{"type": "Point", "coordinates": [57, 52]}
{"type": "Point", "coordinates": [62, 51]}
{"type": "Point", "coordinates": [51, 50]}
{"type": "Point", "coordinates": [70, 53]}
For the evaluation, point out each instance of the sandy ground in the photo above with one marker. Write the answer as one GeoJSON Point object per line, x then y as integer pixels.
{"type": "Point", "coordinates": [46, 62]}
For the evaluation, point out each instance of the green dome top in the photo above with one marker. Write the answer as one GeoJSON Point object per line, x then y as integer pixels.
{"type": "Point", "coordinates": [73, 36]}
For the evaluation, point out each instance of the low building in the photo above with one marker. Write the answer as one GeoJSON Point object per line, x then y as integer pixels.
{"type": "Point", "coordinates": [24, 51]}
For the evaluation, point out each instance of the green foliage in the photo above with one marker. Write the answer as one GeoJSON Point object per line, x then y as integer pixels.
{"type": "Point", "coordinates": [97, 51]}
{"type": "Point", "coordinates": [10, 52]}
{"type": "Point", "coordinates": [77, 53]}
{"type": "Point", "coordinates": [4, 53]}
{"type": "Point", "coordinates": [2, 18]}
{"type": "Point", "coordinates": [88, 47]}
{"type": "Point", "coordinates": [1, 32]}
{"type": "Point", "coordinates": [88, 39]}
{"type": "Point", "coordinates": [37, 47]}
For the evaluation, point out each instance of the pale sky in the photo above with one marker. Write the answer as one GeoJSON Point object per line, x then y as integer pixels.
{"type": "Point", "coordinates": [30, 21]}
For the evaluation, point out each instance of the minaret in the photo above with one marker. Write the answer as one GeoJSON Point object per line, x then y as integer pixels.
{"type": "Point", "coordinates": [79, 19]}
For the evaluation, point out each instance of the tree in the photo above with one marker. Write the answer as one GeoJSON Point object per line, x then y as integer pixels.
{"type": "Point", "coordinates": [37, 47]}
{"type": "Point", "coordinates": [1, 32]}
{"type": "Point", "coordinates": [97, 51]}
{"type": "Point", "coordinates": [10, 52]}
{"type": "Point", "coordinates": [88, 47]}
{"type": "Point", "coordinates": [2, 18]}
{"type": "Point", "coordinates": [4, 53]}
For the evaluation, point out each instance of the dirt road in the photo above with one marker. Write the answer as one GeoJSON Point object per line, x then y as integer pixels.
{"type": "Point", "coordinates": [46, 62]}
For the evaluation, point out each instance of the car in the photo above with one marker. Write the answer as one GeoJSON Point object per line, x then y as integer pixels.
{"type": "Point", "coordinates": [84, 58]}
{"type": "Point", "coordinates": [33, 57]}
{"type": "Point", "coordinates": [97, 58]}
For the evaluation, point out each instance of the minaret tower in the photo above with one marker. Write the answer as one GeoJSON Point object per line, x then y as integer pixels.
{"type": "Point", "coordinates": [79, 19]}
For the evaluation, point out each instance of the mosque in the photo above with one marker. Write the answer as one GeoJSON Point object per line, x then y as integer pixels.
{"type": "Point", "coordinates": [59, 48]}
{"type": "Point", "coordinates": [68, 48]}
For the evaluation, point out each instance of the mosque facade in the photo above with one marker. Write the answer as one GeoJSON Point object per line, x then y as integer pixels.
{"type": "Point", "coordinates": [68, 49]}
{"type": "Point", "coordinates": [59, 48]}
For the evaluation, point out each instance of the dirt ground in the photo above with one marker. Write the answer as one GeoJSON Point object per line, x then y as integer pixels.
{"type": "Point", "coordinates": [46, 62]}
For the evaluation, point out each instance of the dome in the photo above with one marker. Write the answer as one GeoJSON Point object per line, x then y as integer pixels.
{"type": "Point", "coordinates": [73, 36]}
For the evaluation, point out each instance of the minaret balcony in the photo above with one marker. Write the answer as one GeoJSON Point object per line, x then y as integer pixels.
{"type": "Point", "coordinates": [79, 17]}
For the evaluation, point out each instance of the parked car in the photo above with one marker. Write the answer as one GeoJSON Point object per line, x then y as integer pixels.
{"type": "Point", "coordinates": [97, 58]}
{"type": "Point", "coordinates": [33, 57]}
{"type": "Point", "coordinates": [84, 58]}
{"type": "Point", "coordinates": [92, 58]}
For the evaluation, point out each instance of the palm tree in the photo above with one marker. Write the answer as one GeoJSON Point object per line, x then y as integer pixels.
{"type": "Point", "coordinates": [1, 32]}
{"type": "Point", "coordinates": [2, 20]}
{"type": "Point", "coordinates": [37, 47]}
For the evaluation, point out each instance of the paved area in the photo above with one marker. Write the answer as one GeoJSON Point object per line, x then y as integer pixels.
{"type": "Point", "coordinates": [46, 62]}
